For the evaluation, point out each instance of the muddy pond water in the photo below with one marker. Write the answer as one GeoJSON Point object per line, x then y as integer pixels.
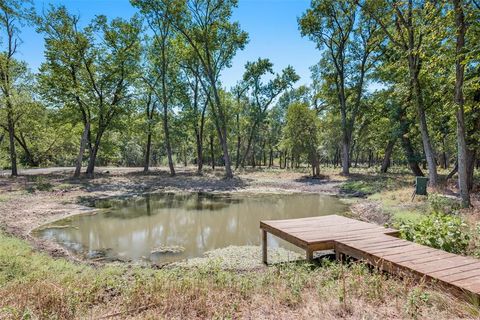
{"type": "Point", "coordinates": [170, 227]}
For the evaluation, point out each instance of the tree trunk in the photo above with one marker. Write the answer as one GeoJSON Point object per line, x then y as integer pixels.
{"type": "Point", "coordinates": [221, 126]}
{"type": "Point", "coordinates": [212, 153]}
{"type": "Point", "coordinates": [168, 146]}
{"type": "Point", "coordinates": [270, 161]}
{"type": "Point", "coordinates": [249, 144]}
{"type": "Point", "coordinates": [11, 138]}
{"type": "Point", "coordinates": [315, 165]}
{"type": "Point", "coordinates": [411, 158]}
{"type": "Point", "coordinates": [427, 146]}
{"type": "Point", "coordinates": [93, 158]}
{"type": "Point", "coordinates": [264, 154]}
{"type": "Point", "coordinates": [388, 155]}
{"type": "Point", "coordinates": [453, 172]}
{"type": "Point", "coordinates": [185, 156]}
{"type": "Point", "coordinates": [83, 144]}
{"type": "Point", "coordinates": [444, 152]}
{"type": "Point", "coordinates": [199, 137]}
{"type": "Point", "coordinates": [459, 101]}
{"type": "Point", "coordinates": [346, 155]}
{"type": "Point", "coordinates": [239, 140]}
{"type": "Point", "coordinates": [253, 156]}
{"type": "Point", "coordinates": [147, 152]}
{"type": "Point", "coordinates": [471, 159]}
{"type": "Point", "coordinates": [199, 152]}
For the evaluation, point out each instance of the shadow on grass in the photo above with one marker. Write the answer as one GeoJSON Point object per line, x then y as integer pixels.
{"type": "Point", "coordinates": [360, 184]}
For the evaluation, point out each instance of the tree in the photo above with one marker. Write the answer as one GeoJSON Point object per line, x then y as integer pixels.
{"type": "Point", "coordinates": [164, 74]}
{"type": "Point", "coordinates": [263, 94]}
{"type": "Point", "coordinates": [90, 71]}
{"type": "Point", "coordinates": [301, 133]}
{"type": "Point", "coordinates": [461, 29]}
{"type": "Point", "coordinates": [407, 25]}
{"type": "Point", "coordinates": [349, 41]}
{"type": "Point", "coordinates": [13, 14]}
{"type": "Point", "coordinates": [205, 26]}
{"type": "Point", "coordinates": [195, 104]}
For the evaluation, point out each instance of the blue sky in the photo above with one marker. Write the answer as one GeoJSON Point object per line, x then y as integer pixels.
{"type": "Point", "coordinates": [271, 24]}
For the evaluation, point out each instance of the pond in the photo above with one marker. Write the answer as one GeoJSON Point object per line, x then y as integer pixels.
{"type": "Point", "coordinates": [169, 227]}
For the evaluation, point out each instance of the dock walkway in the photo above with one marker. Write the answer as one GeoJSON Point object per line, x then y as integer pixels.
{"type": "Point", "coordinates": [379, 247]}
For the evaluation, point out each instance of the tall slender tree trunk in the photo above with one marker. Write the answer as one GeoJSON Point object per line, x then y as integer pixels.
{"type": "Point", "coordinates": [199, 129]}
{"type": "Point", "coordinates": [226, 155]}
{"type": "Point", "coordinates": [199, 152]}
{"type": "Point", "coordinates": [168, 145]}
{"type": "Point", "coordinates": [249, 144]}
{"type": "Point", "coordinates": [264, 154]}
{"type": "Point", "coordinates": [148, 149]}
{"type": "Point", "coordinates": [253, 155]}
{"type": "Point", "coordinates": [471, 159]}
{"type": "Point", "coordinates": [270, 161]}
{"type": "Point", "coordinates": [459, 101]}
{"type": "Point", "coordinates": [11, 139]}
{"type": "Point", "coordinates": [221, 126]}
{"type": "Point", "coordinates": [414, 69]}
{"type": "Point", "coordinates": [212, 153]}
{"type": "Point", "coordinates": [83, 144]}
{"type": "Point", "coordinates": [346, 156]}
{"type": "Point", "coordinates": [239, 140]}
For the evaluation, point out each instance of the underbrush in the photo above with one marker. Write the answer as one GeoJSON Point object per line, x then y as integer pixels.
{"type": "Point", "coordinates": [438, 230]}
{"type": "Point", "coordinates": [442, 227]}
{"type": "Point", "coordinates": [36, 286]}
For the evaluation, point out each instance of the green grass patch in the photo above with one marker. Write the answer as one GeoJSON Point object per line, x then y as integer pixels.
{"type": "Point", "coordinates": [364, 187]}
{"type": "Point", "coordinates": [405, 216]}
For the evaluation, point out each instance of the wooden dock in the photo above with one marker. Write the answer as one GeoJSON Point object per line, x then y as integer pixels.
{"type": "Point", "coordinates": [379, 247]}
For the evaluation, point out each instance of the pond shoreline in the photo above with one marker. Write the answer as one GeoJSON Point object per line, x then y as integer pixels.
{"type": "Point", "coordinates": [33, 200]}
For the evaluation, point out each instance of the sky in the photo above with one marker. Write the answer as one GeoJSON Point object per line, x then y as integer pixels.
{"type": "Point", "coordinates": [271, 24]}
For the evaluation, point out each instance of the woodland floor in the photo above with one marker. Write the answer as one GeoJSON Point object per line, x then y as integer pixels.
{"type": "Point", "coordinates": [80, 289]}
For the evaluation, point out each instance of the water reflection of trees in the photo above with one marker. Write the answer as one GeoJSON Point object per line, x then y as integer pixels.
{"type": "Point", "coordinates": [134, 208]}
{"type": "Point", "coordinates": [236, 223]}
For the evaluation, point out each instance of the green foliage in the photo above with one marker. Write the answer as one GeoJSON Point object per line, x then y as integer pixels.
{"type": "Point", "coordinates": [301, 130]}
{"type": "Point", "coordinates": [415, 300]}
{"type": "Point", "coordinates": [443, 204]}
{"type": "Point", "coordinates": [438, 230]}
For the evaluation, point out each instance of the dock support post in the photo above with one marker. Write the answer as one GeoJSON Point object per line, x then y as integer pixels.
{"type": "Point", "coordinates": [264, 246]}
{"type": "Point", "coordinates": [309, 255]}
{"type": "Point", "coordinates": [338, 254]}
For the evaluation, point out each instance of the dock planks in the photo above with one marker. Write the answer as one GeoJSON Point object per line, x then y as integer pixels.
{"type": "Point", "coordinates": [379, 247]}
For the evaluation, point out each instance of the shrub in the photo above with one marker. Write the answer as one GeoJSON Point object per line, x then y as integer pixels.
{"type": "Point", "coordinates": [438, 230]}
{"type": "Point", "coordinates": [443, 204]}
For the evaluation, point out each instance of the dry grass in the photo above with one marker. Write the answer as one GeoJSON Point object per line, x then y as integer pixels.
{"type": "Point", "coordinates": [36, 286]}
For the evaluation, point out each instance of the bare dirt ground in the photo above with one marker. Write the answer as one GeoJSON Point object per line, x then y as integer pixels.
{"type": "Point", "coordinates": [40, 196]}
